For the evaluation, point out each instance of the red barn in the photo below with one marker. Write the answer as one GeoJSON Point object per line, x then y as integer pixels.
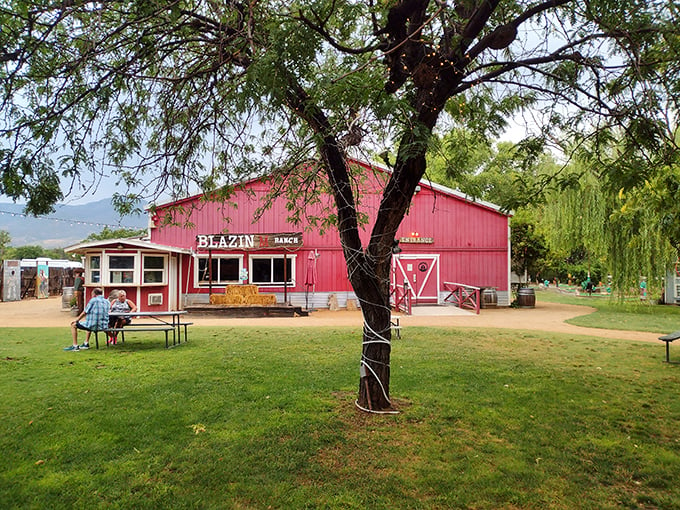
{"type": "Point", "coordinates": [445, 237]}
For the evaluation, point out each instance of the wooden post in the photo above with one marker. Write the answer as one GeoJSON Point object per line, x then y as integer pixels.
{"type": "Point", "coordinates": [209, 272]}
{"type": "Point", "coordinates": [285, 277]}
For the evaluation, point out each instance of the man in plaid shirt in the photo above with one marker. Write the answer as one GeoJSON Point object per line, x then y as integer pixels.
{"type": "Point", "coordinates": [96, 316]}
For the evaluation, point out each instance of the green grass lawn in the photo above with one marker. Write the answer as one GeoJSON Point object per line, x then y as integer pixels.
{"type": "Point", "coordinates": [256, 418]}
{"type": "Point", "coordinates": [632, 315]}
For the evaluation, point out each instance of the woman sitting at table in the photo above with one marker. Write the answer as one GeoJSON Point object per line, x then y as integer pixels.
{"type": "Point", "coordinates": [120, 305]}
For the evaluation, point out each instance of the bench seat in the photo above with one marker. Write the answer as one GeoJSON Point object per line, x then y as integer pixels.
{"type": "Point", "coordinates": [137, 327]}
{"type": "Point", "coordinates": [668, 339]}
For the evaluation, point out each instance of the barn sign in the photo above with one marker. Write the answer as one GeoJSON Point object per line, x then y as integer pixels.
{"type": "Point", "coordinates": [249, 241]}
{"type": "Point", "coordinates": [417, 240]}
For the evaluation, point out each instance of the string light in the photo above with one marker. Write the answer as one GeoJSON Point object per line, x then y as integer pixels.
{"type": "Point", "coordinates": [70, 222]}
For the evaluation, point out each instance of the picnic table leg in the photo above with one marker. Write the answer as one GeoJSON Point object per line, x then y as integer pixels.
{"type": "Point", "coordinates": [668, 358]}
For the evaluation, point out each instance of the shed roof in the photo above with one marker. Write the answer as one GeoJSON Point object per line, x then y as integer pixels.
{"type": "Point", "coordinates": [124, 243]}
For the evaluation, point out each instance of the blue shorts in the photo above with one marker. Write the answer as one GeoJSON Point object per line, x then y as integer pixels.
{"type": "Point", "coordinates": [82, 326]}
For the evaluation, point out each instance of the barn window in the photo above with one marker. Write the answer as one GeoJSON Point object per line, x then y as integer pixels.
{"type": "Point", "coordinates": [220, 270]}
{"type": "Point", "coordinates": [269, 270]}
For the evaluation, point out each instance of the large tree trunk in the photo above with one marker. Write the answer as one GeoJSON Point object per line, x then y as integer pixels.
{"type": "Point", "coordinates": [369, 273]}
{"type": "Point", "coordinates": [369, 268]}
{"type": "Point", "coordinates": [372, 289]}
{"type": "Point", "coordinates": [374, 381]}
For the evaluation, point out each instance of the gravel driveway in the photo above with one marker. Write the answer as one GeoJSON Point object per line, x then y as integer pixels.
{"type": "Point", "coordinates": [544, 317]}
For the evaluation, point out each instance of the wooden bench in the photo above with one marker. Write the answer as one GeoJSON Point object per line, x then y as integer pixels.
{"type": "Point", "coordinates": [139, 327]}
{"type": "Point", "coordinates": [396, 326]}
{"type": "Point", "coordinates": [668, 339]}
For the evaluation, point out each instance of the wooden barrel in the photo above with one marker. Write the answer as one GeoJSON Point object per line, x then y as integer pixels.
{"type": "Point", "coordinates": [66, 295]}
{"type": "Point", "coordinates": [489, 298]}
{"type": "Point", "coordinates": [526, 298]}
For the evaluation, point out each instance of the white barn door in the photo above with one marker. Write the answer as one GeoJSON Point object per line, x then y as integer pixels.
{"type": "Point", "coordinates": [421, 271]}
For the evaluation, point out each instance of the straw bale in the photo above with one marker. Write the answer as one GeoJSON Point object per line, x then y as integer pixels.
{"type": "Point", "coordinates": [241, 290]}
{"type": "Point", "coordinates": [261, 299]}
{"type": "Point", "coordinates": [217, 299]}
{"type": "Point", "coordinates": [234, 300]}
{"type": "Point", "coordinates": [232, 290]}
{"type": "Point", "coordinates": [249, 290]}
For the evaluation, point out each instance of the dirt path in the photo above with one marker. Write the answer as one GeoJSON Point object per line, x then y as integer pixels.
{"type": "Point", "coordinates": [545, 317]}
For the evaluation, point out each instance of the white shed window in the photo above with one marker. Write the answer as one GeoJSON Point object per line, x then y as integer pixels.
{"type": "Point", "coordinates": [112, 269]}
{"type": "Point", "coordinates": [121, 269]}
{"type": "Point", "coordinates": [153, 269]}
{"type": "Point", "coordinates": [94, 269]}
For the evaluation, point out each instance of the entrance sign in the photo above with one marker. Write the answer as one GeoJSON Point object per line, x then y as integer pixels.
{"type": "Point", "coordinates": [249, 241]}
{"type": "Point", "coordinates": [417, 240]}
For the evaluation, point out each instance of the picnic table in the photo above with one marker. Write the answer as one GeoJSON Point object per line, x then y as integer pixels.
{"type": "Point", "coordinates": [167, 322]}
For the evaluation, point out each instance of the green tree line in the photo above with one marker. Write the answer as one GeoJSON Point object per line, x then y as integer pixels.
{"type": "Point", "coordinates": [580, 222]}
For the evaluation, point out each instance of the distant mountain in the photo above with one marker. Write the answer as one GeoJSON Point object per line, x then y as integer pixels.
{"type": "Point", "coordinates": [68, 225]}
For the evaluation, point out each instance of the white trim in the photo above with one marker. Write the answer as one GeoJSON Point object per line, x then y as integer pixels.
{"type": "Point", "coordinates": [173, 284]}
{"type": "Point", "coordinates": [374, 166]}
{"type": "Point", "coordinates": [445, 190]}
{"type": "Point", "coordinates": [509, 264]}
{"type": "Point", "coordinates": [106, 269]}
{"type": "Point", "coordinates": [89, 271]}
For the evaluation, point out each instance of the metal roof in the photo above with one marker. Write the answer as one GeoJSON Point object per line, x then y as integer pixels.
{"type": "Point", "coordinates": [124, 242]}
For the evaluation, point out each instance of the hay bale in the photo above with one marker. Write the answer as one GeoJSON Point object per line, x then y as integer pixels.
{"type": "Point", "coordinates": [233, 300]}
{"type": "Point", "coordinates": [232, 290]}
{"type": "Point", "coordinates": [217, 299]}
{"type": "Point", "coordinates": [267, 299]}
{"type": "Point", "coordinates": [261, 299]}
{"type": "Point", "coordinates": [241, 290]}
{"type": "Point", "coordinates": [249, 290]}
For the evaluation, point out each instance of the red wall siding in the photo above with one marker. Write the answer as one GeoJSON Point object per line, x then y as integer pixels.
{"type": "Point", "coordinates": [471, 238]}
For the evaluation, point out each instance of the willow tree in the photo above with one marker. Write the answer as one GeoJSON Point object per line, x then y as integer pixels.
{"type": "Point", "coordinates": [633, 230]}
{"type": "Point", "coordinates": [576, 218]}
{"type": "Point", "coordinates": [642, 230]}
{"type": "Point", "coordinates": [166, 93]}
